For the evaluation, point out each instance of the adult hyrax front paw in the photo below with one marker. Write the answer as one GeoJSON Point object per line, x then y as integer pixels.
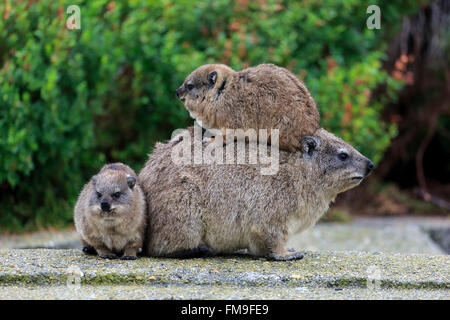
{"type": "Point", "coordinates": [286, 255]}
{"type": "Point", "coordinates": [110, 213]}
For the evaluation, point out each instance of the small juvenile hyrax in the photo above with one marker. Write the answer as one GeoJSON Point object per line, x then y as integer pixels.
{"type": "Point", "coordinates": [221, 208]}
{"type": "Point", "coordinates": [110, 213]}
{"type": "Point", "coordinates": [261, 97]}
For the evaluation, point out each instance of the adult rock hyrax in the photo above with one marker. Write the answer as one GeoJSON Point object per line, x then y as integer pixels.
{"type": "Point", "coordinates": [221, 208]}
{"type": "Point", "coordinates": [110, 213]}
{"type": "Point", "coordinates": [261, 97]}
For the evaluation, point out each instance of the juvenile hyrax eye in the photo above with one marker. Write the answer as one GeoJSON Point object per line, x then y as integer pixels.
{"type": "Point", "coordinates": [116, 195]}
{"type": "Point", "coordinates": [343, 156]}
{"type": "Point", "coordinates": [99, 195]}
{"type": "Point", "coordinates": [190, 87]}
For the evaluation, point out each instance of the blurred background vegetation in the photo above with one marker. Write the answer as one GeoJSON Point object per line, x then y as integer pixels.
{"type": "Point", "coordinates": [71, 100]}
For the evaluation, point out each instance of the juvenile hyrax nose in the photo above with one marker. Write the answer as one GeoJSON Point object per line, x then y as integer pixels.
{"type": "Point", "coordinates": [178, 92]}
{"type": "Point", "coordinates": [105, 205]}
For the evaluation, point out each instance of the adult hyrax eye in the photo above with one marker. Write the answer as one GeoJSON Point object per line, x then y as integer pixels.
{"type": "Point", "coordinates": [99, 195]}
{"type": "Point", "coordinates": [116, 195]}
{"type": "Point", "coordinates": [343, 156]}
{"type": "Point", "coordinates": [189, 86]}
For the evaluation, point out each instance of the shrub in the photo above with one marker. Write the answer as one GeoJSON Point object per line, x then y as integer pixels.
{"type": "Point", "coordinates": [72, 99]}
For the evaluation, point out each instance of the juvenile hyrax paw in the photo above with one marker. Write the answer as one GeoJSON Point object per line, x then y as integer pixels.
{"type": "Point", "coordinates": [128, 258]}
{"type": "Point", "coordinates": [89, 250]}
{"type": "Point", "coordinates": [108, 256]}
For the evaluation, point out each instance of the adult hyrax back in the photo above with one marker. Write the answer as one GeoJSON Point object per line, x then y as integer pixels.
{"type": "Point", "coordinates": [261, 97]}
{"type": "Point", "coordinates": [223, 208]}
{"type": "Point", "coordinates": [110, 213]}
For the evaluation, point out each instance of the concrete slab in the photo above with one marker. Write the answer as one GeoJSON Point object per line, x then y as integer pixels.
{"type": "Point", "coordinates": [45, 273]}
{"type": "Point", "coordinates": [187, 291]}
{"type": "Point", "coordinates": [393, 235]}
{"type": "Point", "coordinates": [66, 239]}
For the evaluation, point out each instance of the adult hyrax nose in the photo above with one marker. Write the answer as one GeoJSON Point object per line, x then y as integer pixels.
{"type": "Point", "coordinates": [369, 167]}
{"type": "Point", "coordinates": [105, 206]}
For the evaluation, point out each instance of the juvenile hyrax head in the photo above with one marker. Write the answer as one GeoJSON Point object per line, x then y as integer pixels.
{"type": "Point", "coordinates": [338, 166]}
{"type": "Point", "coordinates": [201, 85]}
{"type": "Point", "coordinates": [112, 192]}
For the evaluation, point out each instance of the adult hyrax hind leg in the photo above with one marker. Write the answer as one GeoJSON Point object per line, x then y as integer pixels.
{"type": "Point", "coordinates": [269, 243]}
{"type": "Point", "coordinates": [202, 251]}
{"type": "Point", "coordinates": [174, 235]}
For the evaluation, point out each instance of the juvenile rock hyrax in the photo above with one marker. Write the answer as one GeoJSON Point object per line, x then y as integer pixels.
{"type": "Point", "coordinates": [221, 208]}
{"type": "Point", "coordinates": [110, 213]}
{"type": "Point", "coordinates": [261, 97]}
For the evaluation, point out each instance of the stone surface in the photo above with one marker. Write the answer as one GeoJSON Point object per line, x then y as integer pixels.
{"type": "Point", "coordinates": [393, 235]}
{"type": "Point", "coordinates": [66, 239]}
{"type": "Point", "coordinates": [188, 291]}
{"type": "Point", "coordinates": [53, 274]}
{"type": "Point", "coordinates": [412, 266]}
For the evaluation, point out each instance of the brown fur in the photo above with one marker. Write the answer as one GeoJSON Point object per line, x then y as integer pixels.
{"type": "Point", "coordinates": [230, 207]}
{"type": "Point", "coordinates": [260, 97]}
{"type": "Point", "coordinates": [120, 231]}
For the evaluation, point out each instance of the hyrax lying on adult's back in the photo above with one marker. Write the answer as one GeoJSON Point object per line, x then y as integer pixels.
{"type": "Point", "coordinates": [221, 208]}
{"type": "Point", "coordinates": [110, 213]}
{"type": "Point", "coordinates": [261, 97]}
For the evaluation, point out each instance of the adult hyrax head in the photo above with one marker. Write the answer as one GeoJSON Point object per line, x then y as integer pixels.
{"type": "Point", "coordinates": [221, 208]}
{"type": "Point", "coordinates": [338, 166]}
{"type": "Point", "coordinates": [110, 213]}
{"type": "Point", "coordinates": [261, 97]}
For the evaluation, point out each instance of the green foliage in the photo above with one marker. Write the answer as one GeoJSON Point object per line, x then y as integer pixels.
{"type": "Point", "coordinates": [72, 99]}
{"type": "Point", "coordinates": [343, 95]}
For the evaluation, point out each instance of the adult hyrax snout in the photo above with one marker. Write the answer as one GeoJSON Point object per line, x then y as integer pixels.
{"type": "Point", "coordinates": [110, 213]}
{"type": "Point", "coordinates": [221, 208]}
{"type": "Point", "coordinates": [261, 97]}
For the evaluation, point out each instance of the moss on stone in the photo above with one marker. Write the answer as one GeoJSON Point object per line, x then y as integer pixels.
{"type": "Point", "coordinates": [43, 267]}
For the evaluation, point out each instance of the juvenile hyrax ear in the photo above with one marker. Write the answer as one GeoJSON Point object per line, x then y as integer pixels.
{"type": "Point", "coordinates": [212, 78]}
{"type": "Point", "coordinates": [94, 179]}
{"type": "Point", "coordinates": [309, 145]}
{"type": "Point", "coordinates": [131, 181]}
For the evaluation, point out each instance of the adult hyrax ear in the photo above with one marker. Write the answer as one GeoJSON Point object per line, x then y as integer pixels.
{"type": "Point", "coordinates": [309, 145]}
{"type": "Point", "coordinates": [212, 78]}
{"type": "Point", "coordinates": [94, 179]}
{"type": "Point", "coordinates": [131, 181]}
